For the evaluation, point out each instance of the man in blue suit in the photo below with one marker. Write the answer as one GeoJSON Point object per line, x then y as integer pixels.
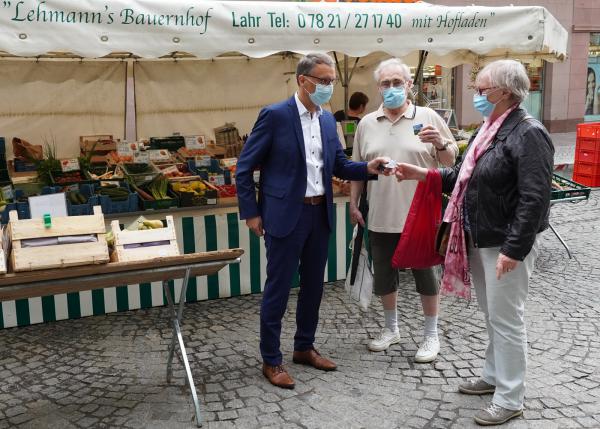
{"type": "Point", "coordinates": [295, 145]}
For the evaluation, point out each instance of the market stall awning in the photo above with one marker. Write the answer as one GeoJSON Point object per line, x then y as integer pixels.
{"type": "Point", "coordinates": [154, 29]}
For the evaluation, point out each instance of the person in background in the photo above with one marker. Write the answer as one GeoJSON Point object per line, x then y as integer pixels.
{"type": "Point", "coordinates": [357, 106]}
{"type": "Point", "coordinates": [296, 147]}
{"type": "Point", "coordinates": [499, 206]}
{"type": "Point", "coordinates": [394, 129]}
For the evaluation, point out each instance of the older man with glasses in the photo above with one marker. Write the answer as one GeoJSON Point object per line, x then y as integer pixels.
{"type": "Point", "coordinates": [410, 134]}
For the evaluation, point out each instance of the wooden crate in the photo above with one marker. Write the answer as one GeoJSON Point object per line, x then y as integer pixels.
{"type": "Point", "coordinates": [124, 239]}
{"type": "Point", "coordinates": [58, 255]}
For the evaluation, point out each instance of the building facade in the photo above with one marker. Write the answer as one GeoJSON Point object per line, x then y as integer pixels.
{"type": "Point", "coordinates": [562, 94]}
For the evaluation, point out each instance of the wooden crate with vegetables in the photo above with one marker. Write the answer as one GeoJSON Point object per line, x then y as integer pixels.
{"type": "Point", "coordinates": [63, 243]}
{"type": "Point", "coordinates": [147, 239]}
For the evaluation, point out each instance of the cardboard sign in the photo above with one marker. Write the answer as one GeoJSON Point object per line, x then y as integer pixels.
{"type": "Point", "coordinates": [158, 155]}
{"type": "Point", "coordinates": [71, 164]}
{"type": "Point", "coordinates": [195, 142]}
{"type": "Point", "coordinates": [202, 161]}
{"type": "Point", "coordinates": [140, 157]}
{"type": "Point", "coordinates": [228, 162]}
{"type": "Point", "coordinates": [125, 148]}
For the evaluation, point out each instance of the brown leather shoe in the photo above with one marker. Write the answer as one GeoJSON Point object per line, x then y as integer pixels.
{"type": "Point", "coordinates": [313, 358]}
{"type": "Point", "coordinates": [278, 376]}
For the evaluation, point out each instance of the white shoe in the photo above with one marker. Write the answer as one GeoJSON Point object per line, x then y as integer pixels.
{"type": "Point", "coordinates": [385, 339]}
{"type": "Point", "coordinates": [428, 351]}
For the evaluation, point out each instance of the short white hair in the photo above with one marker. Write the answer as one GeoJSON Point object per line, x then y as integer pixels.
{"type": "Point", "coordinates": [392, 63]}
{"type": "Point", "coordinates": [507, 74]}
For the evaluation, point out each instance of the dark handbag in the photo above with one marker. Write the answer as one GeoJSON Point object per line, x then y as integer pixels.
{"type": "Point", "coordinates": [441, 238]}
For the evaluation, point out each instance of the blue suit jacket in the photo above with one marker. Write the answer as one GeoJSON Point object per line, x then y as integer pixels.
{"type": "Point", "coordinates": [276, 146]}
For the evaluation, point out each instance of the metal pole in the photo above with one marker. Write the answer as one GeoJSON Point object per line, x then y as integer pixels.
{"type": "Point", "coordinates": [346, 83]}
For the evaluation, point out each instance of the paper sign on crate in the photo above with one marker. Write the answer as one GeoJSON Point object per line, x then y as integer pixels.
{"type": "Point", "coordinates": [67, 165]}
{"type": "Point", "coordinates": [195, 142]}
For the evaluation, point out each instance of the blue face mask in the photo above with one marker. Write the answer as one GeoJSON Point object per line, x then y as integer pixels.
{"type": "Point", "coordinates": [394, 97]}
{"type": "Point", "coordinates": [483, 105]}
{"type": "Point", "coordinates": [322, 94]}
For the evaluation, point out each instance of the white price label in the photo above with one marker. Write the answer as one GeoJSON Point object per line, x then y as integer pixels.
{"type": "Point", "coordinates": [203, 161]}
{"type": "Point", "coordinates": [69, 164]}
{"type": "Point", "coordinates": [141, 157]}
{"type": "Point", "coordinates": [228, 162]}
{"type": "Point", "coordinates": [170, 169]}
{"type": "Point", "coordinates": [159, 155]}
{"type": "Point", "coordinates": [126, 149]}
{"type": "Point", "coordinates": [195, 142]}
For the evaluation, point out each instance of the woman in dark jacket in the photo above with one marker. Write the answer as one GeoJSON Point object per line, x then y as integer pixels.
{"type": "Point", "coordinates": [500, 203]}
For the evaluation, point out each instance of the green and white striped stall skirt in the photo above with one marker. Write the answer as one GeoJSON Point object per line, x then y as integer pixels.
{"type": "Point", "coordinates": [197, 231]}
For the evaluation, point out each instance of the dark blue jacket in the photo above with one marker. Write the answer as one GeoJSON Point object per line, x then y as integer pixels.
{"type": "Point", "coordinates": [276, 146]}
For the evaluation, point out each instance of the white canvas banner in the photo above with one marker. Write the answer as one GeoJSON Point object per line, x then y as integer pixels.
{"type": "Point", "coordinates": [152, 28]}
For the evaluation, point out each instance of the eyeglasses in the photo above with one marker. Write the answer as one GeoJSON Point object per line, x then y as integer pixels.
{"type": "Point", "coordinates": [322, 81]}
{"type": "Point", "coordinates": [396, 83]}
{"type": "Point", "coordinates": [484, 91]}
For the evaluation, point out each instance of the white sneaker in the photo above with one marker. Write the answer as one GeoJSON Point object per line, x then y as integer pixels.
{"type": "Point", "coordinates": [428, 351]}
{"type": "Point", "coordinates": [385, 339]}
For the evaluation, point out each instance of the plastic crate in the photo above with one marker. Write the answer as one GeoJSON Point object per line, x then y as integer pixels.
{"type": "Point", "coordinates": [589, 129]}
{"type": "Point", "coordinates": [171, 143]}
{"type": "Point", "coordinates": [587, 143]}
{"type": "Point", "coordinates": [586, 168]}
{"type": "Point", "coordinates": [22, 209]}
{"type": "Point", "coordinates": [129, 205]}
{"type": "Point", "coordinates": [22, 166]}
{"type": "Point", "coordinates": [56, 175]}
{"type": "Point", "coordinates": [141, 178]}
{"type": "Point", "coordinates": [85, 209]}
{"type": "Point", "coordinates": [587, 179]}
{"type": "Point", "coordinates": [160, 204]}
{"type": "Point", "coordinates": [101, 169]}
{"type": "Point", "coordinates": [572, 189]}
{"type": "Point", "coordinates": [589, 156]}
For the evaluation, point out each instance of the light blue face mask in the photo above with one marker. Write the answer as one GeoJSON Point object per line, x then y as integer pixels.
{"type": "Point", "coordinates": [483, 105]}
{"type": "Point", "coordinates": [322, 94]}
{"type": "Point", "coordinates": [394, 97]}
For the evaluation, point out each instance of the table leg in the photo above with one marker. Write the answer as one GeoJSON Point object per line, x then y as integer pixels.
{"type": "Point", "coordinates": [176, 318]}
{"type": "Point", "coordinates": [561, 240]}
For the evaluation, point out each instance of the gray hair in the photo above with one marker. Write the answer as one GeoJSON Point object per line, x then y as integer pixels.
{"type": "Point", "coordinates": [507, 74]}
{"type": "Point", "coordinates": [392, 63]}
{"type": "Point", "coordinates": [307, 63]}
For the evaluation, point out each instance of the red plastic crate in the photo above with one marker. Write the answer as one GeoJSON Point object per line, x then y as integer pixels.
{"type": "Point", "coordinates": [587, 168]}
{"type": "Point", "coordinates": [590, 129]}
{"type": "Point", "coordinates": [587, 179]}
{"type": "Point", "coordinates": [587, 156]}
{"type": "Point", "coordinates": [588, 143]}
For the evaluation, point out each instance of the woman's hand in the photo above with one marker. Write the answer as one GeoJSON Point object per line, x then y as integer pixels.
{"type": "Point", "coordinates": [410, 172]}
{"type": "Point", "coordinates": [505, 265]}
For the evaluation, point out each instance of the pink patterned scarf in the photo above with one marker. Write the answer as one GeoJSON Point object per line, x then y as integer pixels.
{"type": "Point", "coordinates": [457, 280]}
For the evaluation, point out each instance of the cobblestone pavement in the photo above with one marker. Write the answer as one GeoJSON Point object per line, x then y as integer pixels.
{"type": "Point", "coordinates": [110, 371]}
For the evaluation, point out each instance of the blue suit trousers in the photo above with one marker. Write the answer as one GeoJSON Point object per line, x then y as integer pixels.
{"type": "Point", "coordinates": [305, 248]}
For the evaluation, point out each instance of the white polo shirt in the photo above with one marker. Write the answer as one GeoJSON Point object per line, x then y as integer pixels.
{"type": "Point", "coordinates": [376, 135]}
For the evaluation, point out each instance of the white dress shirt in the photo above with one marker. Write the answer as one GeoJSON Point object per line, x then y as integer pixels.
{"type": "Point", "coordinates": [313, 146]}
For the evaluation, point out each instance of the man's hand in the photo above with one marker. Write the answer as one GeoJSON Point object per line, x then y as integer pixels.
{"type": "Point", "coordinates": [356, 215]}
{"type": "Point", "coordinates": [410, 172]}
{"type": "Point", "coordinates": [376, 166]}
{"type": "Point", "coordinates": [504, 265]}
{"type": "Point", "coordinates": [430, 134]}
{"type": "Point", "coordinates": [256, 226]}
